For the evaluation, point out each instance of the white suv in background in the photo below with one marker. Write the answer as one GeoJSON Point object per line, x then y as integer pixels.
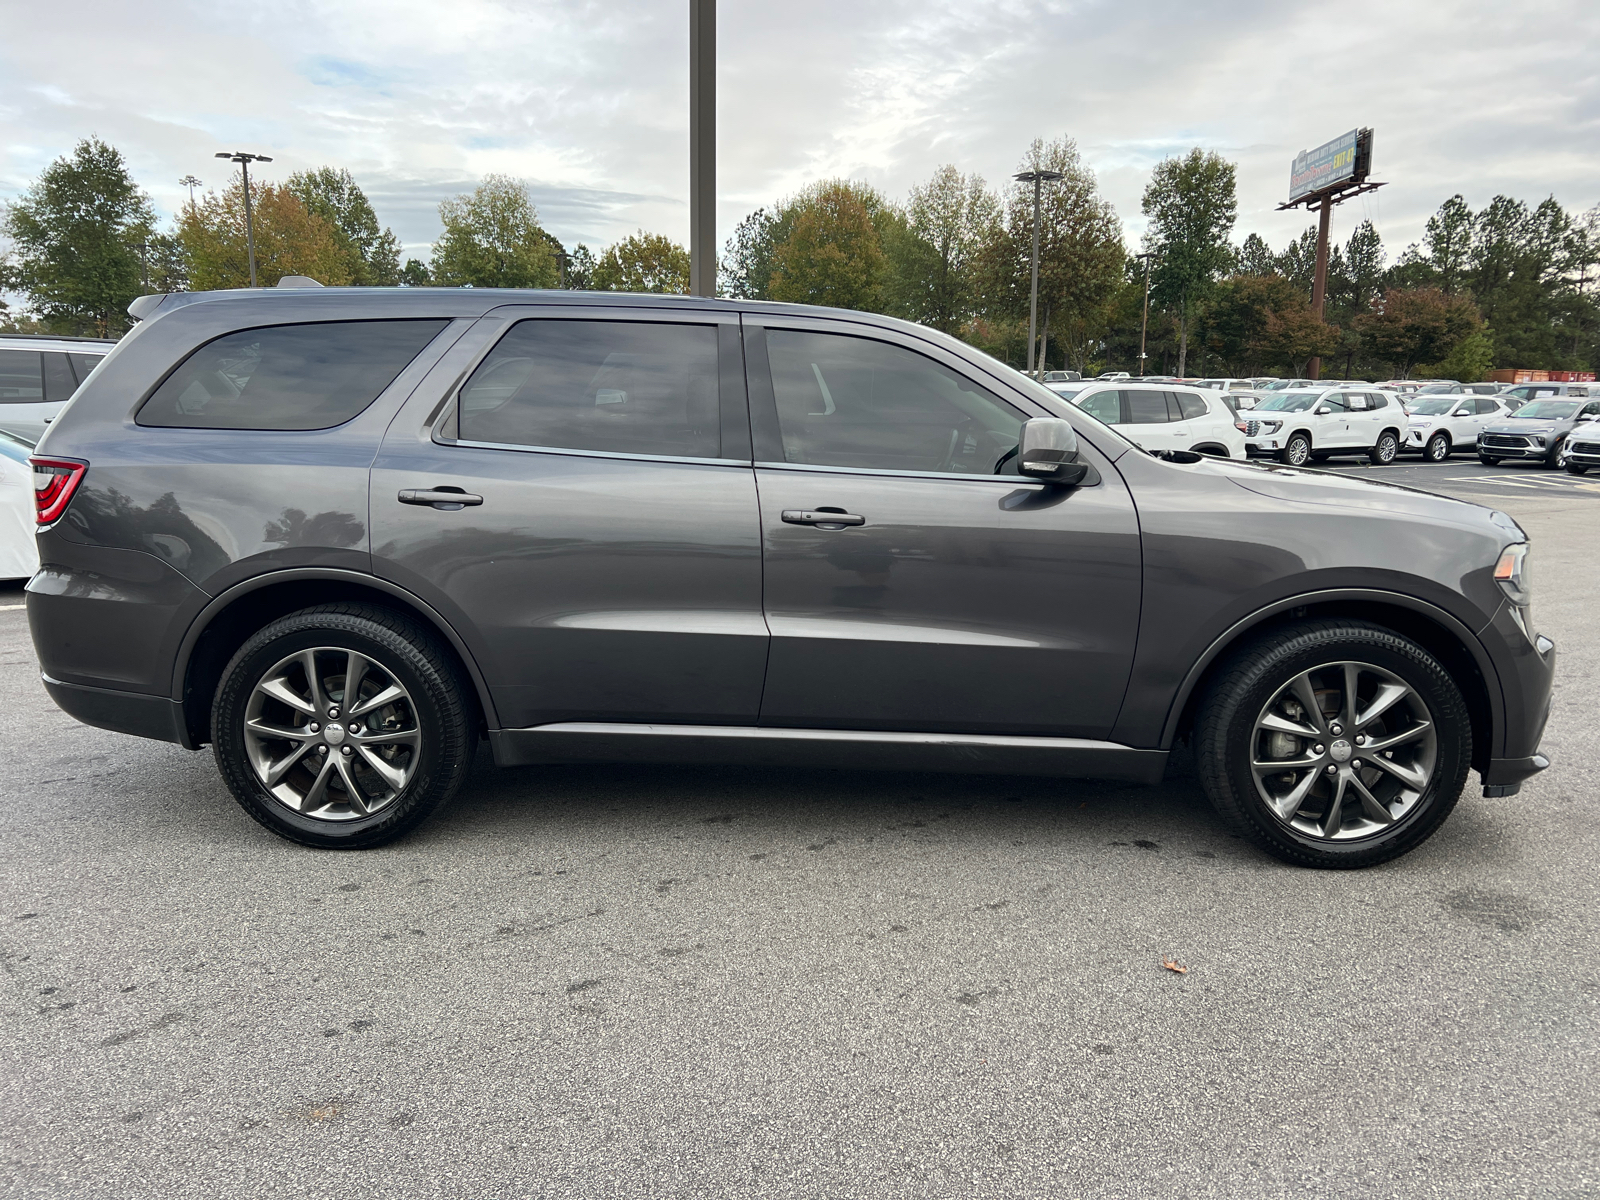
{"type": "Point", "coordinates": [1442, 424]}
{"type": "Point", "coordinates": [1160, 416]}
{"type": "Point", "coordinates": [38, 374]}
{"type": "Point", "coordinates": [1304, 425]}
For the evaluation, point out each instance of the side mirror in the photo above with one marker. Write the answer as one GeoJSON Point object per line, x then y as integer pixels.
{"type": "Point", "coordinates": [1048, 451]}
{"type": "Point", "coordinates": [1322, 411]}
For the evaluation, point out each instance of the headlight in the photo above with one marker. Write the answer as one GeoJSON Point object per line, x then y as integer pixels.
{"type": "Point", "coordinates": [1511, 573]}
{"type": "Point", "coordinates": [1271, 426]}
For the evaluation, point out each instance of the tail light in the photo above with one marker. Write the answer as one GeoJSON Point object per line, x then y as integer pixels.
{"type": "Point", "coordinates": [54, 482]}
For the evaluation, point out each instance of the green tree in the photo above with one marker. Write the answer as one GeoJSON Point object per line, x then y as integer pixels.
{"type": "Point", "coordinates": [1422, 325]}
{"type": "Point", "coordinates": [580, 268]}
{"type": "Point", "coordinates": [415, 274]}
{"type": "Point", "coordinates": [492, 238]}
{"type": "Point", "coordinates": [1191, 204]}
{"type": "Point", "coordinates": [1255, 321]}
{"type": "Point", "coordinates": [833, 253]}
{"type": "Point", "coordinates": [1256, 257]}
{"type": "Point", "coordinates": [642, 262]}
{"type": "Point", "coordinates": [1298, 262]}
{"type": "Point", "coordinates": [373, 254]}
{"type": "Point", "coordinates": [745, 270]}
{"type": "Point", "coordinates": [290, 239]}
{"type": "Point", "coordinates": [1081, 253]}
{"type": "Point", "coordinates": [949, 220]}
{"type": "Point", "coordinates": [74, 233]}
{"type": "Point", "coordinates": [1448, 237]}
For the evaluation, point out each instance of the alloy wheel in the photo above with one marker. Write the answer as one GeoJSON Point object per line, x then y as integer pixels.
{"type": "Point", "coordinates": [1438, 448]}
{"type": "Point", "coordinates": [332, 734]}
{"type": "Point", "coordinates": [1343, 751]}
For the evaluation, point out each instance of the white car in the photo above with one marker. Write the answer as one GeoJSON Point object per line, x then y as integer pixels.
{"type": "Point", "coordinates": [1300, 426]}
{"type": "Point", "coordinates": [19, 553]}
{"type": "Point", "coordinates": [38, 375]}
{"type": "Point", "coordinates": [1439, 425]}
{"type": "Point", "coordinates": [1159, 417]}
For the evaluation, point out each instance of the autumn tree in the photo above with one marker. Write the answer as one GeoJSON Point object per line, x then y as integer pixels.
{"type": "Point", "coordinates": [290, 239]}
{"type": "Point", "coordinates": [75, 235]}
{"type": "Point", "coordinates": [372, 254]}
{"type": "Point", "coordinates": [833, 253]}
{"type": "Point", "coordinates": [1255, 321]}
{"type": "Point", "coordinates": [1417, 326]}
{"type": "Point", "coordinates": [492, 238]}
{"type": "Point", "coordinates": [642, 262]}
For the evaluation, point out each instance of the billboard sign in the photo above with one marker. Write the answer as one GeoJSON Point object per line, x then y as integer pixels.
{"type": "Point", "coordinates": [1328, 165]}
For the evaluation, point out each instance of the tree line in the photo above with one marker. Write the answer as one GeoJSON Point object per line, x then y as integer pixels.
{"type": "Point", "coordinates": [1509, 285]}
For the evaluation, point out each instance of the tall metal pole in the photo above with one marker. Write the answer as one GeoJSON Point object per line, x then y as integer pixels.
{"type": "Point", "coordinates": [1144, 325]}
{"type": "Point", "coordinates": [1319, 282]}
{"type": "Point", "coordinates": [244, 159]}
{"type": "Point", "coordinates": [702, 147]}
{"type": "Point", "coordinates": [1033, 299]}
{"type": "Point", "coordinates": [249, 223]}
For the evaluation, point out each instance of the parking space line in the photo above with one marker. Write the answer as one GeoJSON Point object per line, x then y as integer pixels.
{"type": "Point", "coordinates": [11, 607]}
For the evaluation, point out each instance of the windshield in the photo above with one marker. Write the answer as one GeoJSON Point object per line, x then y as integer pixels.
{"type": "Point", "coordinates": [1288, 402]}
{"type": "Point", "coordinates": [1435, 406]}
{"type": "Point", "coordinates": [1066, 390]}
{"type": "Point", "coordinates": [1547, 410]}
{"type": "Point", "coordinates": [1434, 389]}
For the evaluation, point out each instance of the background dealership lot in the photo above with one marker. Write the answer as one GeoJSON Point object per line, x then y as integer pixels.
{"type": "Point", "coordinates": [708, 981]}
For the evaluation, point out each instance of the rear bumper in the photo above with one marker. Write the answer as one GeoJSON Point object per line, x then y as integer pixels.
{"type": "Point", "coordinates": [121, 712]}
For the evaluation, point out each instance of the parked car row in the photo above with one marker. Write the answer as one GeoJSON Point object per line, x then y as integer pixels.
{"type": "Point", "coordinates": [39, 374]}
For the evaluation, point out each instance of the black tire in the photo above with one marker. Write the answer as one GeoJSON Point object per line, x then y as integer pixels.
{"type": "Point", "coordinates": [1296, 451]}
{"type": "Point", "coordinates": [1226, 734]}
{"type": "Point", "coordinates": [1385, 450]}
{"type": "Point", "coordinates": [1438, 448]}
{"type": "Point", "coordinates": [1576, 468]}
{"type": "Point", "coordinates": [1487, 460]}
{"type": "Point", "coordinates": [437, 705]}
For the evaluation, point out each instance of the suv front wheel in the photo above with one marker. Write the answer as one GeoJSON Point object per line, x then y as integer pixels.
{"type": "Point", "coordinates": [342, 726]}
{"type": "Point", "coordinates": [1296, 451]}
{"type": "Point", "coordinates": [1333, 743]}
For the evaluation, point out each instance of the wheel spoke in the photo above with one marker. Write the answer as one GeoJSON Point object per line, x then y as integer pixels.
{"type": "Point", "coordinates": [1307, 696]}
{"type": "Point", "coordinates": [319, 700]}
{"type": "Point", "coordinates": [355, 670]}
{"type": "Point", "coordinates": [1352, 682]}
{"type": "Point", "coordinates": [276, 771]}
{"type": "Point", "coordinates": [1289, 803]}
{"type": "Point", "coordinates": [387, 771]}
{"type": "Point", "coordinates": [1335, 816]}
{"type": "Point", "coordinates": [1389, 694]}
{"type": "Point", "coordinates": [402, 737]}
{"type": "Point", "coordinates": [1413, 777]}
{"type": "Point", "coordinates": [1277, 723]}
{"type": "Point", "coordinates": [289, 734]}
{"type": "Point", "coordinates": [1370, 803]}
{"type": "Point", "coordinates": [1279, 766]}
{"type": "Point", "coordinates": [1379, 744]}
{"type": "Point", "coordinates": [358, 798]}
{"type": "Point", "coordinates": [316, 795]}
{"type": "Point", "coordinates": [280, 691]}
{"type": "Point", "coordinates": [386, 696]}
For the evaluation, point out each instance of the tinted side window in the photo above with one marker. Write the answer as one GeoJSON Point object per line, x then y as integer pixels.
{"type": "Point", "coordinates": [628, 387]}
{"type": "Point", "coordinates": [287, 376]}
{"type": "Point", "coordinates": [854, 402]}
{"type": "Point", "coordinates": [82, 364]}
{"type": "Point", "coordinates": [1103, 406]}
{"type": "Point", "coordinates": [1331, 400]}
{"type": "Point", "coordinates": [21, 378]}
{"type": "Point", "coordinates": [1486, 406]}
{"type": "Point", "coordinates": [1147, 408]}
{"type": "Point", "coordinates": [59, 383]}
{"type": "Point", "coordinates": [1376, 399]}
{"type": "Point", "coordinates": [1190, 405]}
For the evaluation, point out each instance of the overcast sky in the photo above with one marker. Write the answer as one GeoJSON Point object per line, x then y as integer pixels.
{"type": "Point", "coordinates": [589, 101]}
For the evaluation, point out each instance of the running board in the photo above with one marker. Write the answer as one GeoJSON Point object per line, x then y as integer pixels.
{"type": "Point", "coordinates": [598, 742]}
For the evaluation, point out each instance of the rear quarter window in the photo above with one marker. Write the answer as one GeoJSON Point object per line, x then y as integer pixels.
{"type": "Point", "coordinates": [287, 377]}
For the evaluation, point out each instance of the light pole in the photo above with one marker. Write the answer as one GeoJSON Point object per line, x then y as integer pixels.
{"type": "Point", "coordinates": [244, 160]}
{"type": "Point", "coordinates": [1037, 178]}
{"type": "Point", "coordinates": [1144, 325]}
{"type": "Point", "coordinates": [562, 259]}
{"type": "Point", "coordinates": [190, 182]}
{"type": "Point", "coordinates": [702, 147]}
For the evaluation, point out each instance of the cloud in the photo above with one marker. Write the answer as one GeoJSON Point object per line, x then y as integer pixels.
{"type": "Point", "coordinates": [588, 101]}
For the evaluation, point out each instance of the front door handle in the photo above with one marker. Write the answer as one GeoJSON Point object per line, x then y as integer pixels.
{"type": "Point", "coordinates": [445, 498]}
{"type": "Point", "coordinates": [822, 519]}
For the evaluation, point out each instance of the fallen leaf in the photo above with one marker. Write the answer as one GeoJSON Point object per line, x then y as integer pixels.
{"type": "Point", "coordinates": [1172, 966]}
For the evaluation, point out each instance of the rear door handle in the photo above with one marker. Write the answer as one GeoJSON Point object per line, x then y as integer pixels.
{"type": "Point", "coordinates": [822, 519]}
{"type": "Point", "coordinates": [446, 498]}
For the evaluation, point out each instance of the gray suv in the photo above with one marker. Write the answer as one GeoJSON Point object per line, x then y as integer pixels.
{"type": "Point", "coordinates": [343, 535]}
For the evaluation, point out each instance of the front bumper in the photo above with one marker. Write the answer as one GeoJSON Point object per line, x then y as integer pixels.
{"type": "Point", "coordinates": [1511, 445]}
{"type": "Point", "coordinates": [1585, 453]}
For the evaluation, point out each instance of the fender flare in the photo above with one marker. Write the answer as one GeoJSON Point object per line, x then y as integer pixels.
{"type": "Point", "coordinates": [1433, 612]}
{"type": "Point", "coordinates": [221, 601]}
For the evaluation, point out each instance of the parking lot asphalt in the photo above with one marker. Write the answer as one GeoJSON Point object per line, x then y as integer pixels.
{"type": "Point", "coordinates": [716, 982]}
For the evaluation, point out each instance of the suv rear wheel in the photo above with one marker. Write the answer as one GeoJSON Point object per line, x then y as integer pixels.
{"type": "Point", "coordinates": [1334, 743]}
{"type": "Point", "coordinates": [342, 726]}
{"type": "Point", "coordinates": [1384, 451]}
